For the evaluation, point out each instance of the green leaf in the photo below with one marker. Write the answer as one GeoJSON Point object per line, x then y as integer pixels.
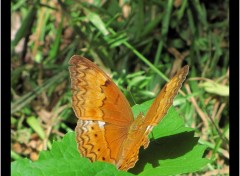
{"type": "Point", "coordinates": [96, 21]}
{"type": "Point", "coordinates": [215, 88]}
{"type": "Point", "coordinates": [56, 44]}
{"type": "Point", "coordinates": [171, 155]}
{"type": "Point", "coordinates": [26, 25]}
{"type": "Point", "coordinates": [34, 124]}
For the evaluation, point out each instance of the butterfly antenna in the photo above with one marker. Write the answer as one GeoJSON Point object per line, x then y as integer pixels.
{"type": "Point", "coordinates": [128, 89]}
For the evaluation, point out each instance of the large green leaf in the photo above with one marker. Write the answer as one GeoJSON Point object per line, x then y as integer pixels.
{"type": "Point", "coordinates": [175, 154]}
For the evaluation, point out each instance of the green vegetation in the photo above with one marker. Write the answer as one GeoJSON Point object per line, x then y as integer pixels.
{"type": "Point", "coordinates": [140, 44]}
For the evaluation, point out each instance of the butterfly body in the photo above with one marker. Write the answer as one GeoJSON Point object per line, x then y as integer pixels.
{"type": "Point", "coordinates": [136, 138]}
{"type": "Point", "coordinates": [106, 129]}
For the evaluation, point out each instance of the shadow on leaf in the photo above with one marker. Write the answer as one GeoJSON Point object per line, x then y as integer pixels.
{"type": "Point", "coordinates": [169, 147]}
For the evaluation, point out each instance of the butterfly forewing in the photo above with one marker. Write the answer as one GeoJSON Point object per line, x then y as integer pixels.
{"type": "Point", "coordinates": [95, 95]}
{"type": "Point", "coordinates": [165, 98]}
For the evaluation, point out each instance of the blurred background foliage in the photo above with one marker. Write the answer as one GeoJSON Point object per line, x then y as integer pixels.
{"type": "Point", "coordinates": [140, 44]}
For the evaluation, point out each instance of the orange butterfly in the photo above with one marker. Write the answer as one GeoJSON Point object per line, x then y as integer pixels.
{"type": "Point", "coordinates": [106, 129]}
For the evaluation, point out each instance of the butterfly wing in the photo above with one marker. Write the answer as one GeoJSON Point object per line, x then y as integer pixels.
{"type": "Point", "coordinates": [142, 126]}
{"type": "Point", "coordinates": [165, 98]}
{"type": "Point", "coordinates": [104, 114]}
